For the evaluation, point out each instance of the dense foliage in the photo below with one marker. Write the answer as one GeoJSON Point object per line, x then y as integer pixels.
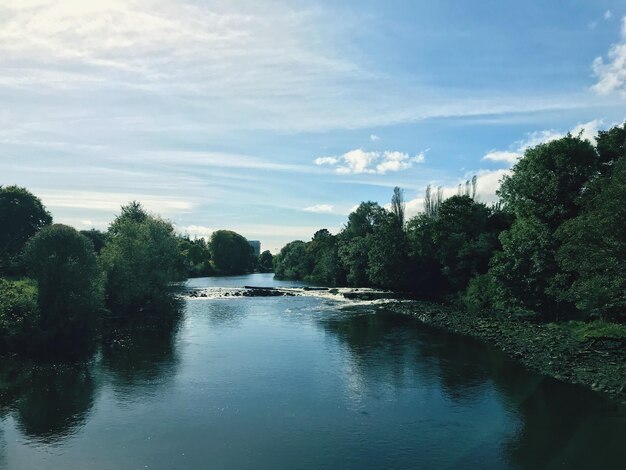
{"type": "Point", "coordinates": [70, 293]}
{"type": "Point", "coordinates": [22, 215]}
{"type": "Point", "coordinates": [231, 253]}
{"type": "Point", "coordinates": [266, 262]}
{"type": "Point", "coordinates": [554, 245]}
{"type": "Point", "coordinates": [195, 257]}
{"type": "Point", "coordinates": [140, 259]}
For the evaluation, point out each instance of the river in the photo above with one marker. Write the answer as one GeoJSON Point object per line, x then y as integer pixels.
{"type": "Point", "coordinates": [299, 382]}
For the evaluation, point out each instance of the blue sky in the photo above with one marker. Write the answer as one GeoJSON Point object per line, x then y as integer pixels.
{"type": "Point", "coordinates": [275, 119]}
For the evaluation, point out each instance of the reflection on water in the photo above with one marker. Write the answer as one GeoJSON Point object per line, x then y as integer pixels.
{"type": "Point", "coordinates": [48, 402]}
{"type": "Point", "coordinates": [298, 382]}
{"type": "Point", "coordinates": [559, 425]}
{"type": "Point", "coordinates": [137, 358]}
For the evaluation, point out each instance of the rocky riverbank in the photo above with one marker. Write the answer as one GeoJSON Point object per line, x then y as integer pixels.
{"type": "Point", "coordinates": [591, 354]}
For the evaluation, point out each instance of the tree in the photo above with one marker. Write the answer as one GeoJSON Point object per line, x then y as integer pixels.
{"type": "Point", "coordinates": [293, 261]}
{"type": "Point", "coordinates": [593, 250]}
{"type": "Point", "coordinates": [465, 235]}
{"type": "Point", "coordinates": [387, 256]}
{"type": "Point", "coordinates": [70, 289]}
{"type": "Point", "coordinates": [355, 239]}
{"type": "Point", "coordinates": [231, 253]}
{"type": "Point", "coordinates": [141, 258]}
{"type": "Point", "coordinates": [322, 250]}
{"type": "Point", "coordinates": [397, 205]}
{"type": "Point", "coordinates": [266, 262]}
{"type": "Point", "coordinates": [22, 215]}
{"type": "Point", "coordinates": [548, 181]}
{"type": "Point", "coordinates": [195, 256]}
{"type": "Point", "coordinates": [544, 190]}
{"type": "Point", "coordinates": [97, 237]}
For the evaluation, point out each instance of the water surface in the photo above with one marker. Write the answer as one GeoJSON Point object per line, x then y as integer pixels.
{"type": "Point", "coordinates": [299, 382]}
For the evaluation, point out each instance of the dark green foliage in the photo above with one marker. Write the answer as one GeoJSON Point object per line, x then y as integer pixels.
{"type": "Point", "coordinates": [425, 276]}
{"type": "Point", "coordinates": [292, 262]}
{"type": "Point", "coordinates": [19, 313]}
{"type": "Point", "coordinates": [323, 254]}
{"type": "Point", "coordinates": [97, 237]}
{"type": "Point", "coordinates": [195, 257]}
{"type": "Point", "coordinates": [21, 216]}
{"type": "Point", "coordinates": [465, 235]}
{"type": "Point", "coordinates": [231, 253]}
{"type": "Point", "coordinates": [70, 293]}
{"type": "Point", "coordinates": [545, 189]}
{"type": "Point", "coordinates": [593, 250]}
{"type": "Point", "coordinates": [483, 294]}
{"type": "Point", "coordinates": [387, 258]}
{"type": "Point", "coordinates": [547, 183]}
{"type": "Point", "coordinates": [141, 258]}
{"type": "Point", "coordinates": [266, 262]}
{"type": "Point", "coordinates": [355, 241]}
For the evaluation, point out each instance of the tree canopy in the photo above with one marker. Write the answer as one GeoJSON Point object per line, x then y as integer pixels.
{"type": "Point", "coordinates": [231, 253]}
{"type": "Point", "coordinates": [22, 215]}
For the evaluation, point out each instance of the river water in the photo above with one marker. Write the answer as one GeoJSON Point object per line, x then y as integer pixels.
{"type": "Point", "coordinates": [299, 382]}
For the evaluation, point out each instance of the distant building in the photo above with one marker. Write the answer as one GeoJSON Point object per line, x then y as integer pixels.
{"type": "Point", "coordinates": [256, 247]}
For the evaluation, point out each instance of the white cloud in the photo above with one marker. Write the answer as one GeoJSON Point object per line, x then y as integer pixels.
{"type": "Point", "coordinates": [326, 161]}
{"type": "Point", "coordinates": [320, 208]}
{"type": "Point", "coordinates": [502, 156]}
{"type": "Point", "coordinates": [587, 131]}
{"type": "Point", "coordinates": [359, 161]}
{"type": "Point", "coordinates": [374, 137]}
{"type": "Point", "coordinates": [611, 74]}
{"type": "Point", "coordinates": [608, 15]}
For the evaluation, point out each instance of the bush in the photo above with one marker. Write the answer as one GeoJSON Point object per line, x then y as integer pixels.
{"type": "Point", "coordinates": [141, 258]}
{"type": "Point", "coordinates": [482, 294]}
{"type": "Point", "coordinates": [18, 313]}
{"type": "Point", "coordinates": [69, 280]}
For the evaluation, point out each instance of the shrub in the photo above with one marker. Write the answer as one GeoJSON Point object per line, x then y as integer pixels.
{"type": "Point", "coordinates": [18, 313]}
{"type": "Point", "coordinates": [70, 296]}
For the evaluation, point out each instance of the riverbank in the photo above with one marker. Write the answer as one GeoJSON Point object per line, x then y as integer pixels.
{"type": "Point", "coordinates": [590, 354]}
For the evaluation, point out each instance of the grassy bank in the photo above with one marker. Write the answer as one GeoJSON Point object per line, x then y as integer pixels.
{"type": "Point", "coordinates": [591, 354]}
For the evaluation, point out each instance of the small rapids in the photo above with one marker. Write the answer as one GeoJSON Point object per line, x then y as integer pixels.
{"type": "Point", "coordinates": [344, 295]}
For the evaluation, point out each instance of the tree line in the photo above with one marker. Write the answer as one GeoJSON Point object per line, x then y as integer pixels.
{"type": "Point", "coordinates": [554, 245]}
{"type": "Point", "coordinates": [59, 287]}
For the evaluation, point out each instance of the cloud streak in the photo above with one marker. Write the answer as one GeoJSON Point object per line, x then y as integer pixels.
{"type": "Point", "coordinates": [359, 161]}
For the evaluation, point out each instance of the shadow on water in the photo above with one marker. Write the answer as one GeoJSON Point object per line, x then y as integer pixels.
{"type": "Point", "coordinates": [51, 402]}
{"type": "Point", "coordinates": [137, 356]}
{"type": "Point", "coordinates": [558, 425]}
{"type": "Point", "coordinates": [47, 402]}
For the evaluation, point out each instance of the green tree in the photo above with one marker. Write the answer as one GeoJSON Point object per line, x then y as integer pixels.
{"type": "Point", "coordinates": [231, 253]}
{"type": "Point", "coordinates": [593, 250]}
{"type": "Point", "coordinates": [387, 253]}
{"type": "Point", "coordinates": [22, 215]}
{"type": "Point", "coordinates": [70, 290]}
{"type": "Point", "coordinates": [97, 237]}
{"type": "Point", "coordinates": [398, 207]}
{"type": "Point", "coordinates": [355, 241]}
{"type": "Point", "coordinates": [141, 258]}
{"type": "Point", "coordinates": [293, 261]}
{"type": "Point", "coordinates": [465, 236]}
{"type": "Point", "coordinates": [424, 271]}
{"type": "Point", "coordinates": [323, 253]}
{"type": "Point", "coordinates": [266, 264]}
{"type": "Point", "coordinates": [19, 314]}
{"type": "Point", "coordinates": [543, 191]}
{"type": "Point", "coordinates": [195, 257]}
